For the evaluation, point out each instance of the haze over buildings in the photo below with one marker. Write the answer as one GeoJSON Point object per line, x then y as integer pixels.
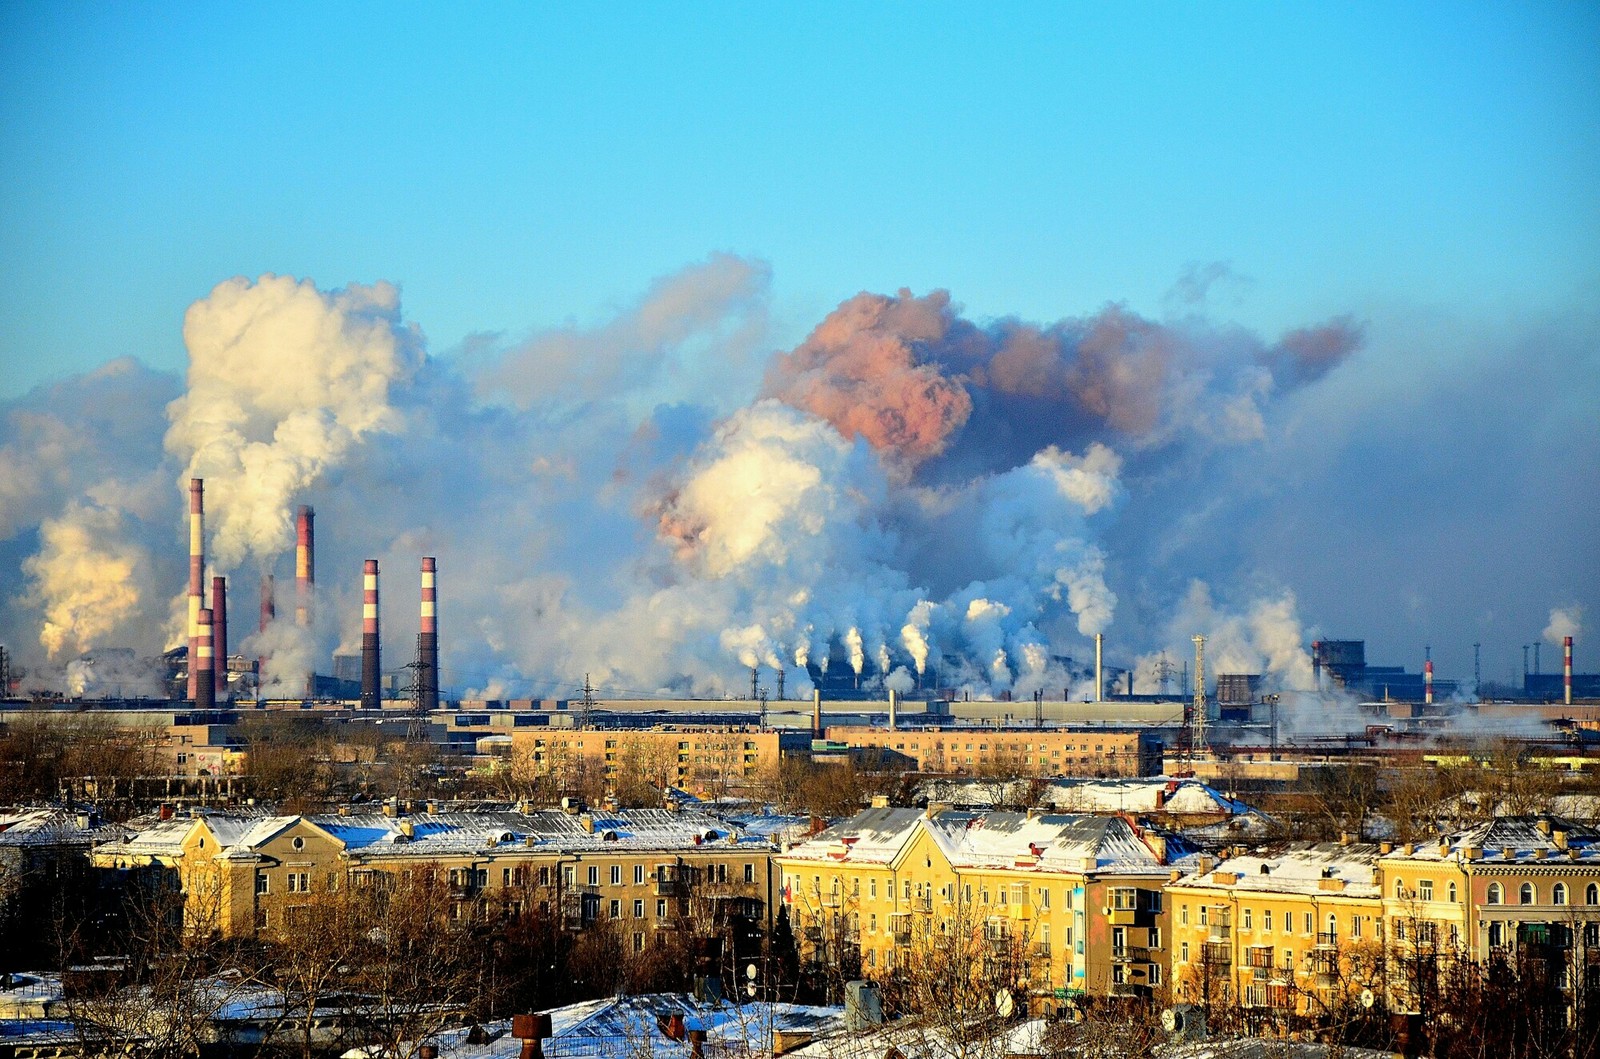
{"type": "Point", "coordinates": [771, 454]}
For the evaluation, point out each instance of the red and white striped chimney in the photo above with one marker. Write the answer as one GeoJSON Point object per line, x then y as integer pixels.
{"type": "Point", "coordinates": [206, 688]}
{"type": "Point", "coordinates": [1566, 667]}
{"type": "Point", "coordinates": [219, 636]}
{"type": "Point", "coordinates": [371, 692]}
{"type": "Point", "coordinates": [428, 640]}
{"type": "Point", "coordinates": [305, 578]}
{"type": "Point", "coordinates": [197, 575]}
{"type": "Point", "coordinates": [1427, 681]}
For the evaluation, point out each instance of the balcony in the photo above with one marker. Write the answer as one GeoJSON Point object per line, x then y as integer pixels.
{"type": "Point", "coordinates": [1258, 957]}
{"type": "Point", "coordinates": [1130, 954]}
{"type": "Point", "coordinates": [1020, 910]}
{"type": "Point", "coordinates": [1216, 953]}
{"type": "Point", "coordinates": [1041, 950]}
{"type": "Point", "coordinates": [671, 886]}
{"type": "Point", "coordinates": [922, 903]}
{"type": "Point", "coordinates": [1128, 989]}
{"type": "Point", "coordinates": [902, 937]}
{"type": "Point", "coordinates": [1327, 940]}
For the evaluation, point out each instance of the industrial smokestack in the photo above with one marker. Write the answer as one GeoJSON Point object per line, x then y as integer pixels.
{"type": "Point", "coordinates": [305, 579]}
{"type": "Point", "coordinates": [219, 637]}
{"type": "Point", "coordinates": [1566, 667]}
{"type": "Point", "coordinates": [428, 641]}
{"type": "Point", "coordinates": [893, 697]}
{"type": "Point", "coordinates": [816, 713]}
{"type": "Point", "coordinates": [1099, 670]}
{"type": "Point", "coordinates": [269, 611]}
{"type": "Point", "coordinates": [1198, 740]}
{"type": "Point", "coordinates": [1427, 681]}
{"type": "Point", "coordinates": [197, 575]}
{"type": "Point", "coordinates": [371, 694]}
{"type": "Point", "coordinates": [206, 687]}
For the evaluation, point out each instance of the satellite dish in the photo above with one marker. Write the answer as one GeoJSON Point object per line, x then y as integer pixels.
{"type": "Point", "coordinates": [1004, 1004]}
{"type": "Point", "coordinates": [750, 971]}
{"type": "Point", "coordinates": [1171, 1021]}
{"type": "Point", "coordinates": [1368, 998]}
{"type": "Point", "coordinates": [750, 990]}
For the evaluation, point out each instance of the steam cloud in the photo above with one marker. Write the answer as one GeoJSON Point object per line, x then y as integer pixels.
{"type": "Point", "coordinates": [1564, 622]}
{"type": "Point", "coordinates": [919, 498]}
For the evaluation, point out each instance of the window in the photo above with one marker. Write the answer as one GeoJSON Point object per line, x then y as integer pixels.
{"type": "Point", "coordinates": [261, 883]}
{"type": "Point", "coordinates": [1525, 895]}
{"type": "Point", "coordinates": [1202, 915]}
{"type": "Point", "coordinates": [1183, 951]}
{"type": "Point", "coordinates": [638, 942]}
{"type": "Point", "coordinates": [1155, 974]}
{"type": "Point", "coordinates": [297, 843]}
{"type": "Point", "coordinates": [638, 875]}
{"type": "Point", "coordinates": [1355, 925]}
{"type": "Point", "coordinates": [1591, 894]}
{"type": "Point", "coordinates": [638, 909]}
{"type": "Point", "coordinates": [750, 877]}
{"type": "Point", "coordinates": [594, 875]}
{"type": "Point", "coordinates": [1125, 898]}
{"type": "Point", "coordinates": [1450, 892]}
{"type": "Point", "coordinates": [1183, 914]}
{"type": "Point", "coordinates": [1155, 937]}
{"type": "Point", "coordinates": [1497, 935]}
{"type": "Point", "coordinates": [1266, 920]}
{"type": "Point", "coordinates": [1425, 890]}
{"type": "Point", "coordinates": [616, 909]}
{"type": "Point", "coordinates": [1310, 923]}
{"type": "Point", "coordinates": [299, 882]}
{"type": "Point", "coordinates": [1558, 896]}
{"type": "Point", "coordinates": [1399, 889]}
{"type": "Point", "coordinates": [1493, 897]}
{"type": "Point", "coordinates": [661, 909]}
{"type": "Point", "coordinates": [505, 876]}
{"type": "Point", "coordinates": [1248, 920]}
{"type": "Point", "coordinates": [616, 875]}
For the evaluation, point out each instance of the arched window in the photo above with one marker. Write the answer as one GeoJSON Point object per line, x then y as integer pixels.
{"type": "Point", "coordinates": [1399, 889]}
{"type": "Point", "coordinates": [1333, 925]}
{"type": "Point", "coordinates": [1494, 894]}
{"type": "Point", "coordinates": [1525, 894]}
{"type": "Point", "coordinates": [1451, 890]}
{"type": "Point", "coordinates": [1558, 896]}
{"type": "Point", "coordinates": [1591, 895]}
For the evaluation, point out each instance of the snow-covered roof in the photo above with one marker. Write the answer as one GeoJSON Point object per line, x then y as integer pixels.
{"type": "Point", "coordinates": [51, 826]}
{"type": "Point", "coordinates": [628, 1025]}
{"type": "Point", "coordinates": [1019, 841]}
{"type": "Point", "coordinates": [1297, 868]}
{"type": "Point", "coordinates": [1528, 838]}
{"type": "Point", "coordinates": [1153, 794]}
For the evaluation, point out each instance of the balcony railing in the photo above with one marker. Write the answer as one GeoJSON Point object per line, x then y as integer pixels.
{"type": "Point", "coordinates": [1217, 953]}
{"type": "Point", "coordinates": [1327, 940]}
{"type": "Point", "coordinates": [1130, 954]}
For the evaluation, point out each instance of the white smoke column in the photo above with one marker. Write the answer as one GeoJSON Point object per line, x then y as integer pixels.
{"type": "Point", "coordinates": [853, 644]}
{"type": "Point", "coordinates": [284, 379]}
{"type": "Point", "coordinates": [985, 631]}
{"type": "Point", "coordinates": [1564, 622]}
{"type": "Point", "coordinates": [88, 580]}
{"type": "Point", "coordinates": [914, 634]}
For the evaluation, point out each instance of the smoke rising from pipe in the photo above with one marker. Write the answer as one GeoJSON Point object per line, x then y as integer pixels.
{"type": "Point", "coordinates": [1564, 622]}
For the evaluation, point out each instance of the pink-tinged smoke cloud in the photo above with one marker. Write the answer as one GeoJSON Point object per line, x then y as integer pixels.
{"type": "Point", "coordinates": [864, 369]}
{"type": "Point", "coordinates": [919, 382]}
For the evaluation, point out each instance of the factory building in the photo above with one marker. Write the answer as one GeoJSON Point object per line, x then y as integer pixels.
{"type": "Point", "coordinates": [1040, 751]}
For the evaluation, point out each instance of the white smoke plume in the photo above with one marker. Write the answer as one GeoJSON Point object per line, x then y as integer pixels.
{"type": "Point", "coordinates": [1564, 622]}
{"type": "Point", "coordinates": [284, 379]}
{"type": "Point", "coordinates": [87, 579]}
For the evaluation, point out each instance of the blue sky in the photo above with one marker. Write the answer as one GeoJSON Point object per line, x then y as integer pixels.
{"type": "Point", "coordinates": [514, 166]}
{"type": "Point", "coordinates": [1428, 176]}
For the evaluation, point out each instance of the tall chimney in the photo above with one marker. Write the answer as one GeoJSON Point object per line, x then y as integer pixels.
{"type": "Point", "coordinates": [1198, 738]}
{"type": "Point", "coordinates": [371, 694]}
{"type": "Point", "coordinates": [1099, 671]}
{"type": "Point", "coordinates": [269, 611]}
{"type": "Point", "coordinates": [1566, 666]}
{"type": "Point", "coordinates": [219, 636]}
{"type": "Point", "coordinates": [892, 704]}
{"type": "Point", "coordinates": [1427, 681]}
{"type": "Point", "coordinates": [816, 713]}
{"type": "Point", "coordinates": [428, 641]}
{"type": "Point", "coordinates": [305, 579]}
{"type": "Point", "coordinates": [205, 697]}
{"type": "Point", "coordinates": [197, 575]}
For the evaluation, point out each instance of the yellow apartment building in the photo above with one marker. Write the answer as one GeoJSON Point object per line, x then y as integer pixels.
{"type": "Point", "coordinates": [645, 871]}
{"type": "Point", "coordinates": [1068, 905]}
{"type": "Point", "coordinates": [703, 758]}
{"type": "Point", "coordinates": [1294, 929]}
{"type": "Point", "coordinates": [1525, 888]}
{"type": "Point", "coordinates": [1079, 751]}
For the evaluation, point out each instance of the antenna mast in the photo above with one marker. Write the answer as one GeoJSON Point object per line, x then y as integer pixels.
{"type": "Point", "coordinates": [417, 725]}
{"type": "Point", "coordinates": [1199, 695]}
{"type": "Point", "coordinates": [586, 711]}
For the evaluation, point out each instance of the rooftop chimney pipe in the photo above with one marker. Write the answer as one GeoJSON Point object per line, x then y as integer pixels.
{"type": "Point", "coordinates": [206, 687]}
{"type": "Point", "coordinates": [219, 637]}
{"type": "Point", "coordinates": [305, 579]}
{"type": "Point", "coordinates": [371, 693]}
{"type": "Point", "coordinates": [893, 697]}
{"type": "Point", "coordinates": [428, 641]}
{"type": "Point", "coordinates": [197, 575]}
